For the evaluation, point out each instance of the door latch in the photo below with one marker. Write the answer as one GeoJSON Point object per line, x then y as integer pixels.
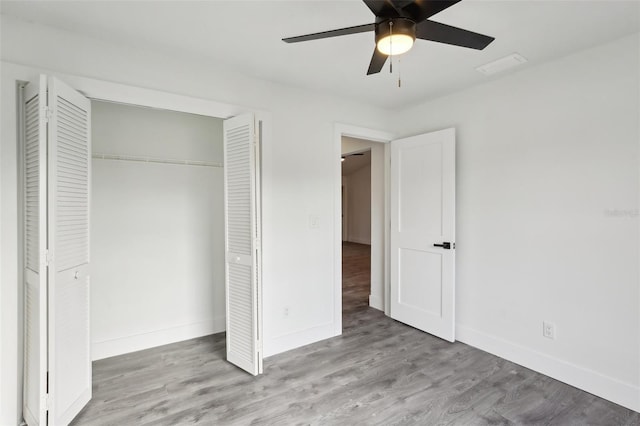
{"type": "Point", "coordinates": [445, 245]}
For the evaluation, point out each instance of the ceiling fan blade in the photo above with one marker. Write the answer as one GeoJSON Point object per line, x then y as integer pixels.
{"type": "Point", "coordinates": [435, 31]}
{"type": "Point", "coordinates": [377, 62]}
{"type": "Point", "coordinates": [332, 33]}
{"type": "Point", "coordinates": [382, 8]}
{"type": "Point", "coordinates": [345, 156]}
{"type": "Point", "coordinates": [419, 10]}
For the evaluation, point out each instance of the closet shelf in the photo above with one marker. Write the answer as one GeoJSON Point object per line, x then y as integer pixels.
{"type": "Point", "coordinates": [155, 160]}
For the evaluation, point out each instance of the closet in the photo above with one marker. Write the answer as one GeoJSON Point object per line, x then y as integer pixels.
{"type": "Point", "coordinates": [157, 227]}
{"type": "Point", "coordinates": [141, 227]}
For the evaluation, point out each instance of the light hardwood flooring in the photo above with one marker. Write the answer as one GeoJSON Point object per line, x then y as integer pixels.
{"type": "Point", "coordinates": [379, 372]}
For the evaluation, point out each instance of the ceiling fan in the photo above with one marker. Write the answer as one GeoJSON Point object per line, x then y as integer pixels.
{"type": "Point", "coordinates": [398, 23]}
{"type": "Point", "coordinates": [344, 157]}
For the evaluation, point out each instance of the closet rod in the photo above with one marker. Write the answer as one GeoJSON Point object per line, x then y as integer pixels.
{"type": "Point", "coordinates": [154, 160]}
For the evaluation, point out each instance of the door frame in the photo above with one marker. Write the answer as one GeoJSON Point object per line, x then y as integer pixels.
{"type": "Point", "coordinates": [373, 135]}
{"type": "Point", "coordinates": [94, 89]}
{"type": "Point", "coordinates": [344, 194]}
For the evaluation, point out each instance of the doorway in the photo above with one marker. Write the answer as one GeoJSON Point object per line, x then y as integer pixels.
{"type": "Point", "coordinates": [363, 231]}
{"type": "Point", "coordinates": [356, 234]}
{"type": "Point", "coordinates": [157, 222]}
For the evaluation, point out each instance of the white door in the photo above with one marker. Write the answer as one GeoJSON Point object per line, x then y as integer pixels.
{"type": "Point", "coordinates": [60, 323]}
{"type": "Point", "coordinates": [423, 232]}
{"type": "Point", "coordinates": [242, 243]}
{"type": "Point", "coordinates": [35, 258]}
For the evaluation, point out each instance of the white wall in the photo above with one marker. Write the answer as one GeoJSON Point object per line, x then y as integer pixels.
{"type": "Point", "coordinates": [301, 125]}
{"type": "Point", "coordinates": [358, 185]}
{"type": "Point", "coordinates": [377, 208]}
{"type": "Point", "coordinates": [10, 298]}
{"type": "Point", "coordinates": [547, 216]}
{"type": "Point", "coordinates": [157, 242]}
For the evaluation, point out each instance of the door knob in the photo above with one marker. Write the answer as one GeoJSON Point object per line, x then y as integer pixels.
{"type": "Point", "coordinates": [445, 245]}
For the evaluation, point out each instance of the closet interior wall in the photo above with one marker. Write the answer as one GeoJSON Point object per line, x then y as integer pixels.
{"type": "Point", "coordinates": [157, 220]}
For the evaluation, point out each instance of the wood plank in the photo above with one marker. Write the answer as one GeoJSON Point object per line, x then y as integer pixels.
{"type": "Point", "coordinates": [379, 372]}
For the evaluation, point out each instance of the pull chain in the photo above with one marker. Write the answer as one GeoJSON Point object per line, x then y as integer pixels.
{"type": "Point", "coordinates": [390, 47]}
{"type": "Point", "coordinates": [391, 55]}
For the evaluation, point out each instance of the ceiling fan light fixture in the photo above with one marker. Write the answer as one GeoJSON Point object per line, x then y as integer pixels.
{"type": "Point", "coordinates": [396, 36]}
{"type": "Point", "coordinates": [395, 44]}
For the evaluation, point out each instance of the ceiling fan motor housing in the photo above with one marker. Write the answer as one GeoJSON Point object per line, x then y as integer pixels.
{"type": "Point", "coordinates": [400, 26]}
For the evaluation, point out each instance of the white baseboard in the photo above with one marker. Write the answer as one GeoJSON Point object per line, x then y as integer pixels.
{"type": "Point", "coordinates": [297, 339]}
{"type": "Point", "coordinates": [137, 342]}
{"type": "Point", "coordinates": [376, 302]}
{"type": "Point", "coordinates": [614, 390]}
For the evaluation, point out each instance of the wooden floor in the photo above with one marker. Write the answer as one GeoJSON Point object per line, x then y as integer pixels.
{"type": "Point", "coordinates": [356, 282]}
{"type": "Point", "coordinates": [379, 372]}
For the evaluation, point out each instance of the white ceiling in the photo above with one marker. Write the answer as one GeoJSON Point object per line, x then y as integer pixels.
{"type": "Point", "coordinates": [245, 36]}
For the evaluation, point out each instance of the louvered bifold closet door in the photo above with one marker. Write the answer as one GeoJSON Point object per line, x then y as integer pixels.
{"type": "Point", "coordinates": [68, 211]}
{"type": "Point", "coordinates": [242, 243]}
{"type": "Point", "coordinates": [35, 243]}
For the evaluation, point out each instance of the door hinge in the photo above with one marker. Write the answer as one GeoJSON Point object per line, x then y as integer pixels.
{"type": "Point", "coordinates": [48, 257]}
{"type": "Point", "coordinates": [46, 401]}
{"type": "Point", "coordinates": [47, 113]}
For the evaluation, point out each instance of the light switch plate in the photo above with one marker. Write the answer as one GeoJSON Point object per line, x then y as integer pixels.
{"type": "Point", "coordinates": [314, 221]}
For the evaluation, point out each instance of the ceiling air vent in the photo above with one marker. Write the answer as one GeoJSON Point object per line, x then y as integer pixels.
{"type": "Point", "coordinates": [502, 64]}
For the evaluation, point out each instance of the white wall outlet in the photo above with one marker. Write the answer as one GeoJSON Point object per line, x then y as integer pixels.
{"type": "Point", "coordinates": [314, 221]}
{"type": "Point", "coordinates": [548, 330]}
{"type": "Point", "coordinates": [285, 311]}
